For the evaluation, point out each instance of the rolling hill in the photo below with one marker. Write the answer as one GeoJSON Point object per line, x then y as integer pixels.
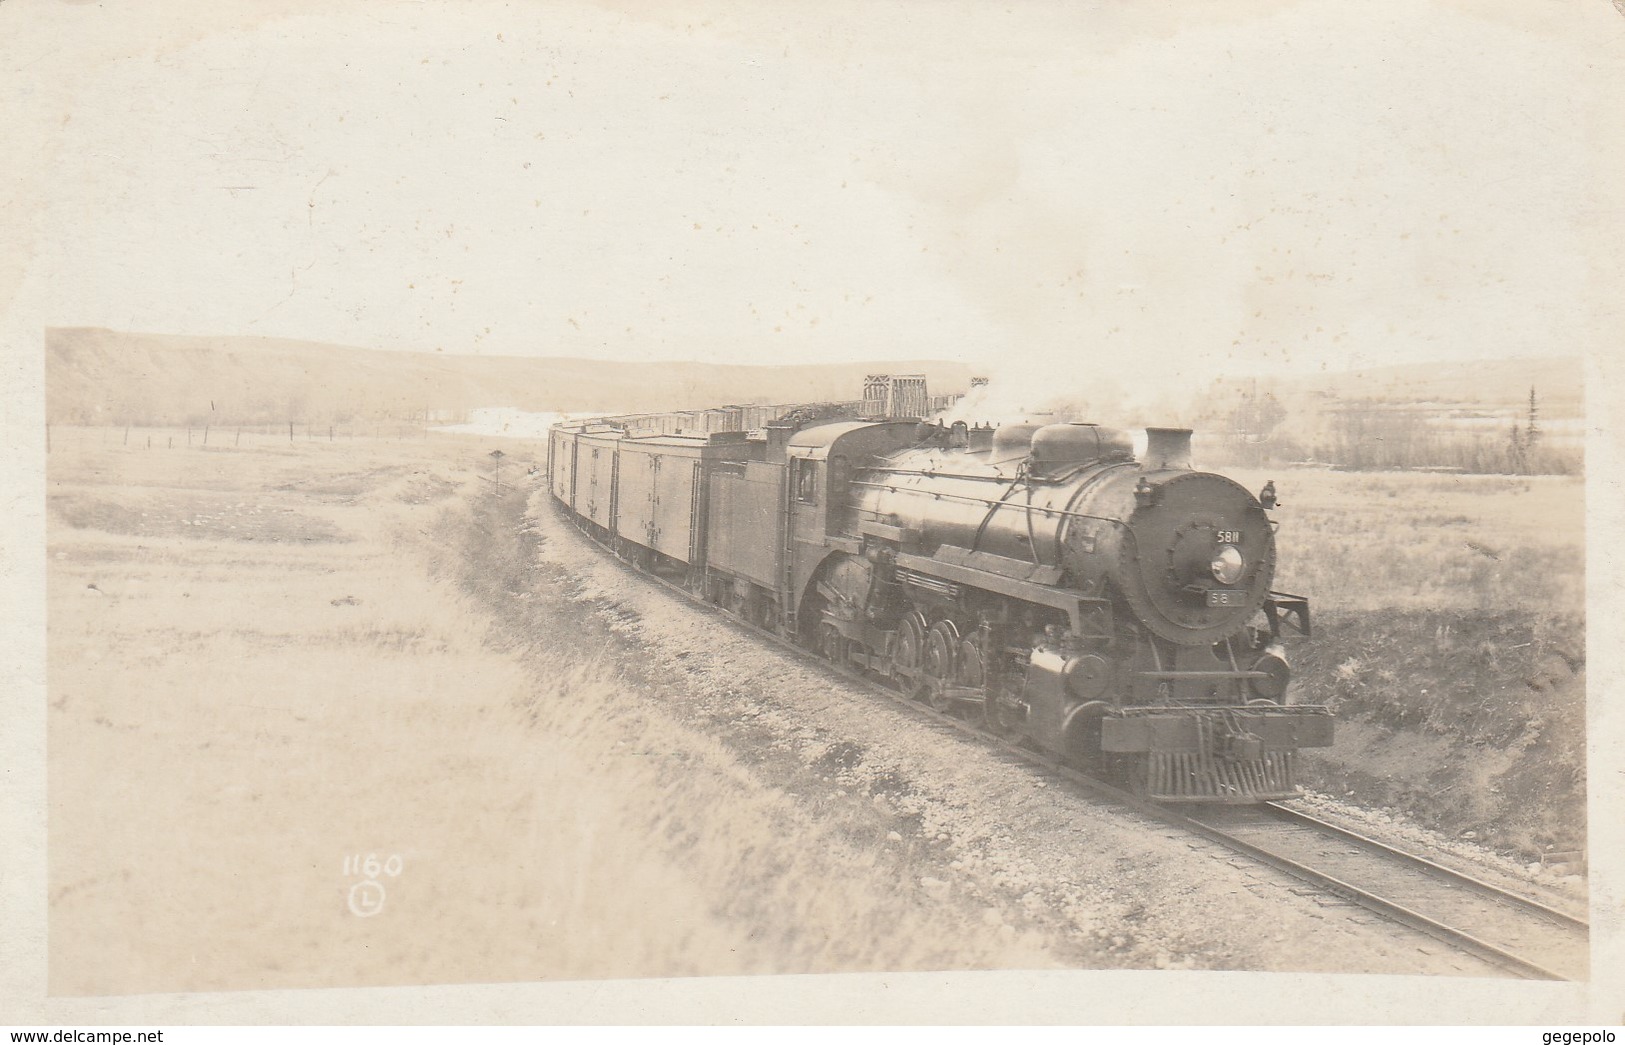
{"type": "Point", "coordinates": [98, 376]}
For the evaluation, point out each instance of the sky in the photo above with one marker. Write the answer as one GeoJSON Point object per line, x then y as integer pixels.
{"type": "Point", "coordinates": [1182, 187]}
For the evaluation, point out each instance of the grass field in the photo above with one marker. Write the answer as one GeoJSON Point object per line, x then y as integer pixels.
{"type": "Point", "coordinates": [255, 685]}
{"type": "Point", "coordinates": [267, 666]}
{"type": "Point", "coordinates": [1450, 640]}
{"type": "Point", "coordinates": [1406, 540]}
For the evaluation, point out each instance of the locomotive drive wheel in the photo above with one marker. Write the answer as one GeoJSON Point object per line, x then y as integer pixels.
{"type": "Point", "coordinates": [909, 655]}
{"type": "Point", "coordinates": [941, 661]}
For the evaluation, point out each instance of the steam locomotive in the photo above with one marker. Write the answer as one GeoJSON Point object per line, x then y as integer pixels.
{"type": "Point", "coordinates": [1117, 612]}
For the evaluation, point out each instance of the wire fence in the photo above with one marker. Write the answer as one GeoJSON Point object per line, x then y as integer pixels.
{"type": "Point", "coordinates": [227, 437]}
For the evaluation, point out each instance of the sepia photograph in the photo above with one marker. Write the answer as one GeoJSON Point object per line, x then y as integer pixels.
{"type": "Point", "coordinates": [589, 512]}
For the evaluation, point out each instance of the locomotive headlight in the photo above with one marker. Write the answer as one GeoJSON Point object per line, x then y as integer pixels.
{"type": "Point", "coordinates": [1227, 564]}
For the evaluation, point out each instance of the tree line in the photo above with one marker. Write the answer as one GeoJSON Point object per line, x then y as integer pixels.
{"type": "Point", "coordinates": [1381, 436]}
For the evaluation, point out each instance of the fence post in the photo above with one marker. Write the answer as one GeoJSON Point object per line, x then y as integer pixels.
{"type": "Point", "coordinates": [290, 431]}
{"type": "Point", "coordinates": [205, 435]}
{"type": "Point", "coordinates": [126, 435]}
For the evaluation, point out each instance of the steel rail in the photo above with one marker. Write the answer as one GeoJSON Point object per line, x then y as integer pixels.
{"type": "Point", "coordinates": [1394, 912]}
{"type": "Point", "coordinates": [1461, 939]}
{"type": "Point", "coordinates": [1431, 867]}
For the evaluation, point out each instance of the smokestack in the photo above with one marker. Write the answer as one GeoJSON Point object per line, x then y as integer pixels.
{"type": "Point", "coordinates": [1167, 448]}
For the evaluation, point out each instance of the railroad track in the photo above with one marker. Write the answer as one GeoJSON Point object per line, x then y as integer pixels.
{"type": "Point", "coordinates": [1521, 935]}
{"type": "Point", "coordinates": [1512, 932]}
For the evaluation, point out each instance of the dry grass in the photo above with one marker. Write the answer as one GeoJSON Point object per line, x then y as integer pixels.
{"type": "Point", "coordinates": [232, 717]}
{"type": "Point", "coordinates": [1450, 622]}
{"type": "Point", "coordinates": [813, 885]}
{"type": "Point", "coordinates": [229, 722]}
{"type": "Point", "coordinates": [1403, 540]}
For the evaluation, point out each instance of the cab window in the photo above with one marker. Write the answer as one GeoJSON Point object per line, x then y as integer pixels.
{"type": "Point", "coordinates": [806, 480]}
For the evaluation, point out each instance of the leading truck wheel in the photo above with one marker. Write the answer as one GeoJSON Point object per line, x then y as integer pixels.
{"type": "Point", "coordinates": [1082, 739]}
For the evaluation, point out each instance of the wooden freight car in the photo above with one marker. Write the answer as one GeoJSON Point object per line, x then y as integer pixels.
{"type": "Point", "coordinates": [746, 522]}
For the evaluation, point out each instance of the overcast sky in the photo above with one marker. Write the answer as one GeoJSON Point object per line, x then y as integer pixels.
{"type": "Point", "coordinates": [1246, 185]}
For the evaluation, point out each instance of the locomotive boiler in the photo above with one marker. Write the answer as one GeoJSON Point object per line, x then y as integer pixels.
{"type": "Point", "coordinates": [1117, 611]}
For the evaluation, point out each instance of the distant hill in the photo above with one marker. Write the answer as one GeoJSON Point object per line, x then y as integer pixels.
{"type": "Point", "coordinates": [97, 376]}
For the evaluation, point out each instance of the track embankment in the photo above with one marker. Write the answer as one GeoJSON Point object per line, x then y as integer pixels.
{"type": "Point", "coordinates": [920, 823]}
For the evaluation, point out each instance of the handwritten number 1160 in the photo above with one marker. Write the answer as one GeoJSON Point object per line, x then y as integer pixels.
{"type": "Point", "coordinates": [370, 866]}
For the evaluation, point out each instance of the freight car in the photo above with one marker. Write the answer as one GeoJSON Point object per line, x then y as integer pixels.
{"type": "Point", "coordinates": [1116, 611]}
